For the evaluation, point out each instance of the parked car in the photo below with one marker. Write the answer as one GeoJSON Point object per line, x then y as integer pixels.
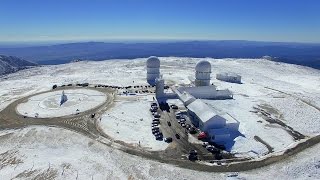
{"type": "Point", "coordinates": [153, 110]}
{"type": "Point", "coordinates": [157, 115]}
{"type": "Point", "coordinates": [155, 123]}
{"type": "Point", "coordinates": [169, 123]}
{"type": "Point", "coordinates": [182, 119]}
{"type": "Point", "coordinates": [188, 126]}
{"type": "Point", "coordinates": [158, 133]}
{"type": "Point", "coordinates": [205, 144]}
{"type": "Point", "coordinates": [192, 130]}
{"type": "Point", "coordinates": [212, 149]}
{"type": "Point", "coordinates": [183, 125]}
{"type": "Point", "coordinates": [159, 138]}
{"type": "Point", "coordinates": [202, 135]}
{"type": "Point", "coordinates": [168, 139]}
{"type": "Point", "coordinates": [155, 128]}
{"type": "Point", "coordinates": [173, 106]}
{"type": "Point", "coordinates": [177, 136]}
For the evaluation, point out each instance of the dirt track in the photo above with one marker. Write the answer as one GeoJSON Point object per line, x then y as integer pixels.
{"type": "Point", "coordinates": [84, 124]}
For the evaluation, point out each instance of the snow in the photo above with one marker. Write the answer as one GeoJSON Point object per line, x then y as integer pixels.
{"type": "Point", "coordinates": [68, 155]}
{"type": "Point", "coordinates": [130, 122]}
{"type": "Point", "coordinates": [263, 82]}
{"type": "Point", "coordinates": [47, 105]}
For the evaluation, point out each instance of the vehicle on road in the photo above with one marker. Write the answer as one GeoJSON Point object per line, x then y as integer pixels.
{"type": "Point", "coordinates": [169, 123]}
{"type": "Point", "coordinates": [193, 155]}
{"type": "Point", "coordinates": [168, 139]}
{"type": "Point", "coordinates": [177, 136]}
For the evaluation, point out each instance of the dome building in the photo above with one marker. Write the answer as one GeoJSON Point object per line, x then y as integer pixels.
{"type": "Point", "coordinates": [153, 69]}
{"type": "Point", "coordinates": [203, 71]}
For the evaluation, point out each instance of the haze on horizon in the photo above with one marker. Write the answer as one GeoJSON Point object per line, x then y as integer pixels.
{"type": "Point", "coordinates": [96, 20]}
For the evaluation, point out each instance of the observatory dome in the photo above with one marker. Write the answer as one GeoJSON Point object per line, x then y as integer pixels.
{"type": "Point", "coordinates": [203, 66]}
{"type": "Point", "coordinates": [153, 62]}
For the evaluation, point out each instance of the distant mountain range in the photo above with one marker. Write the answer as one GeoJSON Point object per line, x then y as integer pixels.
{"type": "Point", "coordinates": [10, 64]}
{"type": "Point", "coordinates": [295, 53]}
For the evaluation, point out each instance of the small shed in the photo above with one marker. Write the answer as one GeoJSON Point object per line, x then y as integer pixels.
{"type": "Point", "coordinates": [229, 77]}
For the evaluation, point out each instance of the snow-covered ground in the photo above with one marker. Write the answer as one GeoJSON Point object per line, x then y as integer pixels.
{"type": "Point", "coordinates": [130, 121]}
{"type": "Point", "coordinates": [53, 153]}
{"type": "Point", "coordinates": [47, 105]}
{"type": "Point", "coordinates": [294, 94]}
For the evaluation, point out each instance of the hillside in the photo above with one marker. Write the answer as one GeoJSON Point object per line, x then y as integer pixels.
{"type": "Point", "coordinates": [10, 64]}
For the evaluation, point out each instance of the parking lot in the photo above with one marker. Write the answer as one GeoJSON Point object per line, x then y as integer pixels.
{"type": "Point", "coordinates": [175, 127]}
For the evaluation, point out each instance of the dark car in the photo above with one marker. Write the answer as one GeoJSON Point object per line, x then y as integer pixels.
{"type": "Point", "coordinates": [155, 123]}
{"type": "Point", "coordinates": [193, 155]}
{"type": "Point", "coordinates": [192, 130]}
{"type": "Point", "coordinates": [173, 106]}
{"type": "Point", "coordinates": [169, 123]}
{"type": "Point", "coordinates": [159, 133]}
{"type": "Point", "coordinates": [177, 136]}
{"type": "Point", "coordinates": [157, 128]}
{"type": "Point", "coordinates": [168, 139]}
{"type": "Point", "coordinates": [159, 138]}
{"type": "Point", "coordinates": [212, 149]}
{"type": "Point", "coordinates": [93, 115]}
{"type": "Point", "coordinates": [157, 115]}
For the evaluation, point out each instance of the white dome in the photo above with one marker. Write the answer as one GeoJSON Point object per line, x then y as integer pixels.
{"type": "Point", "coordinates": [203, 66]}
{"type": "Point", "coordinates": [153, 62]}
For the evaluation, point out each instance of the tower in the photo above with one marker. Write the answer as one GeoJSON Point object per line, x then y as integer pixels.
{"type": "Point", "coordinates": [153, 70]}
{"type": "Point", "coordinates": [160, 87]}
{"type": "Point", "coordinates": [203, 71]}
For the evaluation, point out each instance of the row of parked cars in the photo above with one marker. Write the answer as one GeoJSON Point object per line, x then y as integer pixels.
{"type": "Point", "coordinates": [155, 122]}
{"type": "Point", "coordinates": [182, 121]}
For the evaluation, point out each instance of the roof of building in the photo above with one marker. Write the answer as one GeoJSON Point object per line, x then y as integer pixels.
{"type": "Point", "coordinates": [202, 110]}
{"type": "Point", "coordinates": [228, 74]}
{"type": "Point", "coordinates": [186, 98]}
{"type": "Point", "coordinates": [153, 62]}
{"type": "Point", "coordinates": [203, 66]}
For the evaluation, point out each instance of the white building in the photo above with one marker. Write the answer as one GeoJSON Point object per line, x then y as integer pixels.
{"type": "Point", "coordinates": [160, 87]}
{"type": "Point", "coordinates": [217, 125]}
{"type": "Point", "coordinates": [203, 71]}
{"type": "Point", "coordinates": [229, 77]}
{"type": "Point", "coordinates": [206, 92]}
{"type": "Point", "coordinates": [153, 70]}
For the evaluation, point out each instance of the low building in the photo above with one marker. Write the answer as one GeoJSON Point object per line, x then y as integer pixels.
{"type": "Point", "coordinates": [229, 77]}
{"type": "Point", "coordinates": [218, 125]}
{"type": "Point", "coordinates": [206, 92]}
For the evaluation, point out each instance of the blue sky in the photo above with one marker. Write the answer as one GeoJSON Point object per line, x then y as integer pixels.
{"type": "Point", "coordinates": [82, 20]}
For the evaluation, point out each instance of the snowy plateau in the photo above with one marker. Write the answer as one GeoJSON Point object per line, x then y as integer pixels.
{"type": "Point", "coordinates": [277, 105]}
